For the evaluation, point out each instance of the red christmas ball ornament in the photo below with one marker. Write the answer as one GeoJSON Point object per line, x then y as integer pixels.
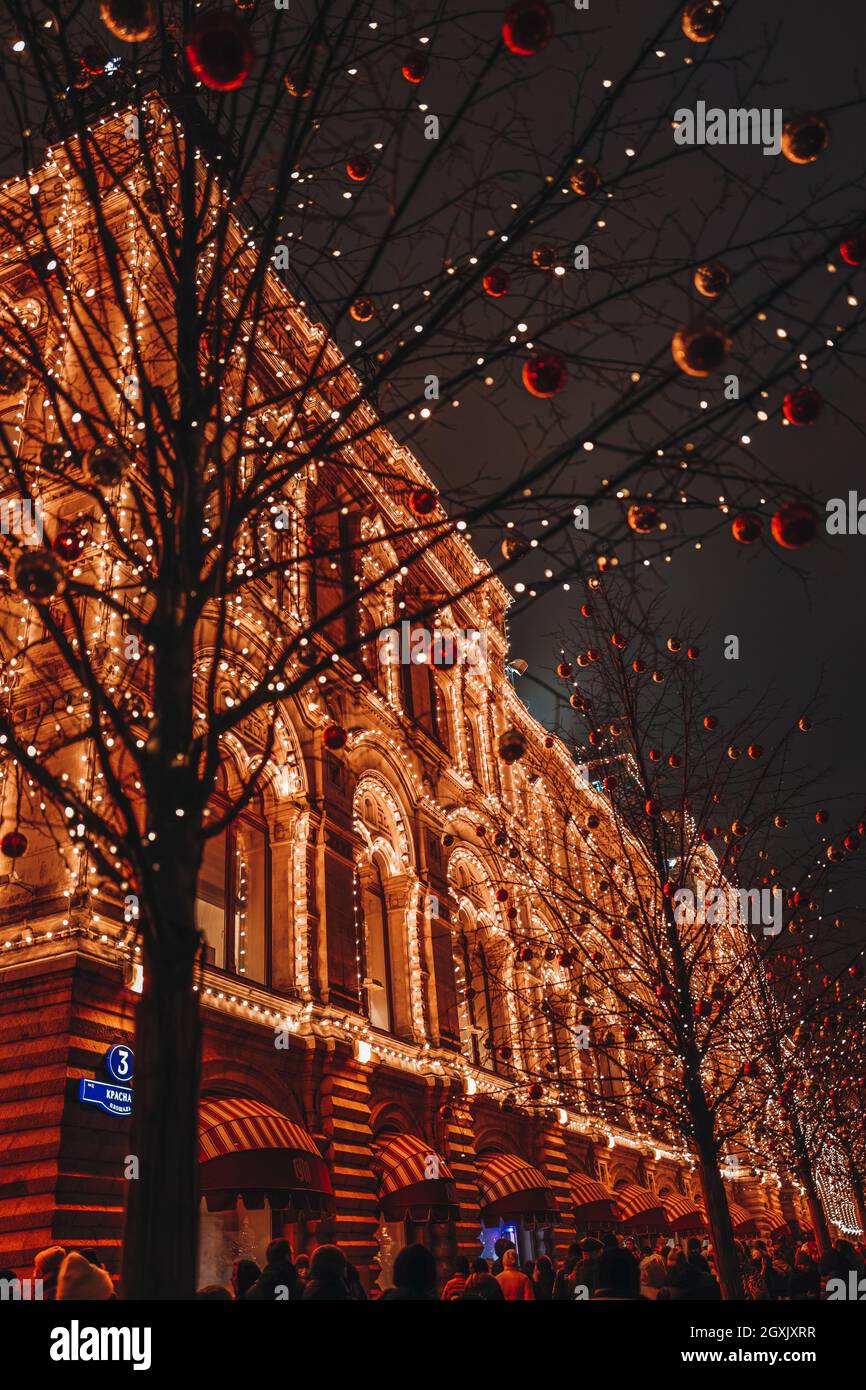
{"type": "Point", "coordinates": [536, 1091]}
{"type": "Point", "coordinates": [69, 542]}
{"type": "Point", "coordinates": [334, 737]}
{"type": "Point", "coordinates": [585, 180]}
{"type": "Point", "coordinates": [805, 138]}
{"type": "Point", "coordinates": [804, 724]}
{"type": "Point", "coordinates": [13, 844]}
{"type": "Point", "coordinates": [851, 842]}
{"type": "Point", "coordinates": [615, 932]}
{"type": "Point", "coordinates": [638, 665]}
{"type": "Point", "coordinates": [514, 546]}
{"type": "Point", "coordinates": [618, 640]}
{"type": "Point", "coordinates": [504, 1052]}
{"type": "Point", "coordinates": [693, 653]}
{"type": "Point", "coordinates": [564, 669]}
{"type": "Point", "coordinates": [422, 501]}
{"type": "Point", "coordinates": [755, 751]}
{"type": "Point", "coordinates": [643, 517]}
{"type": "Point", "coordinates": [38, 575]}
{"type": "Point", "coordinates": [132, 21]}
{"type": "Point", "coordinates": [93, 59]}
{"type": "Point", "coordinates": [296, 84]}
{"type": "Point", "coordinates": [362, 310]}
{"type": "Point", "coordinates": [712, 279]}
{"type": "Point", "coordinates": [359, 168]}
{"type": "Point", "coordinates": [794, 525]}
{"type": "Point", "coordinates": [512, 746]}
{"type": "Point", "coordinates": [527, 28]}
{"type": "Point", "coordinates": [653, 808]}
{"type": "Point", "coordinates": [543, 257]}
{"type": "Point", "coordinates": [711, 721]}
{"type": "Point", "coordinates": [700, 347]}
{"type": "Point", "coordinates": [502, 895]}
{"type": "Point", "coordinates": [751, 1068]}
{"type": "Point", "coordinates": [496, 283]}
{"type": "Point", "coordinates": [822, 816]}
{"type": "Point", "coordinates": [416, 67]}
{"type": "Point", "coordinates": [702, 20]}
{"type": "Point", "coordinates": [655, 755]}
{"type": "Point", "coordinates": [802, 406]}
{"type": "Point", "coordinates": [747, 528]}
{"type": "Point", "coordinates": [219, 51]}
{"type": "Point", "coordinates": [544, 374]}
{"type": "Point", "coordinates": [853, 248]}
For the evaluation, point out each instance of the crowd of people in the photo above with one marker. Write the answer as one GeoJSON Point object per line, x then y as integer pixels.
{"type": "Point", "coordinates": [605, 1268]}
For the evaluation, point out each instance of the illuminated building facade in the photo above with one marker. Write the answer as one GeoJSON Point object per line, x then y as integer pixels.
{"type": "Point", "coordinates": [366, 1058]}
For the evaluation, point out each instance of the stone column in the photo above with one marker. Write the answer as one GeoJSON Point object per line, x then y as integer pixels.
{"type": "Point", "coordinates": [460, 1156]}
{"type": "Point", "coordinates": [553, 1163]}
{"type": "Point", "coordinates": [345, 1110]}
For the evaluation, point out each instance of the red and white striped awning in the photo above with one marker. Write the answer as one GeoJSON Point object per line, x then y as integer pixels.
{"type": "Point", "coordinates": [682, 1214]}
{"type": "Point", "coordinates": [414, 1181]}
{"type": "Point", "coordinates": [639, 1209]}
{"type": "Point", "coordinates": [510, 1186]}
{"type": "Point", "coordinates": [248, 1150]}
{"type": "Point", "coordinates": [743, 1222]}
{"type": "Point", "coordinates": [592, 1201]}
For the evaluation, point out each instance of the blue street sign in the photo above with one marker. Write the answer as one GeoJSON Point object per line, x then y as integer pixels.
{"type": "Point", "coordinates": [114, 1100]}
{"type": "Point", "coordinates": [120, 1061]}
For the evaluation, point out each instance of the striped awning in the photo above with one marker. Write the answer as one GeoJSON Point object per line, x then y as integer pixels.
{"type": "Point", "coordinates": [248, 1150]}
{"type": "Point", "coordinates": [639, 1209]}
{"type": "Point", "coordinates": [743, 1222]}
{"type": "Point", "coordinates": [512, 1187]}
{"type": "Point", "coordinates": [592, 1201]}
{"type": "Point", "coordinates": [415, 1183]}
{"type": "Point", "coordinates": [682, 1214]}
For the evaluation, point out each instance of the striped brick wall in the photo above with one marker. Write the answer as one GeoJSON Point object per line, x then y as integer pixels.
{"type": "Point", "coordinates": [460, 1156]}
{"type": "Point", "coordinates": [61, 1162]}
{"type": "Point", "coordinates": [553, 1163]}
{"type": "Point", "coordinates": [345, 1120]}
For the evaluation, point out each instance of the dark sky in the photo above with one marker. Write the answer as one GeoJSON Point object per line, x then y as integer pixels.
{"type": "Point", "coordinates": [798, 618]}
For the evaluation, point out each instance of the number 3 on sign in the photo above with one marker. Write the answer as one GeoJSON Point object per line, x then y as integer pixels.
{"type": "Point", "coordinates": [119, 1062]}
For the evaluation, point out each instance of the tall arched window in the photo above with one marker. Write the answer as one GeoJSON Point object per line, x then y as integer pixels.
{"type": "Point", "coordinates": [232, 906]}
{"type": "Point", "coordinates": [490, 1031]}
{"type": "Point", "coordinates": [378, 980]}
{"type": "Point", "coordinates": [472, 749]}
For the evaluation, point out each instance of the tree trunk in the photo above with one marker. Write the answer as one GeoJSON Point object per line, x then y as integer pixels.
{"type": "Point", "coordinates": [820, 1229]}
{"type": "Point", "coordinates": [858, 1193]}
{"type": "Point", "coordinates": [160, 1235]}
{"type": "Point", "coordinates": [719, 1217]}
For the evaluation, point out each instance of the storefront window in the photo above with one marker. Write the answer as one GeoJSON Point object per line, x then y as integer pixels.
{"type": "Point", "coordinates": [226, 1236]}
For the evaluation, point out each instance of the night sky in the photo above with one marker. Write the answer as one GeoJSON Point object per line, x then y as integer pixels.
{"type": "Point", "coordinates": [795, 615]}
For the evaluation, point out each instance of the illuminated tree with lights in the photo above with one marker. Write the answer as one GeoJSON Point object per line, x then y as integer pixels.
{"type": "Point", "coordinates": [184, 179]}
{"type": "Point", "coordinates": [660, 955]}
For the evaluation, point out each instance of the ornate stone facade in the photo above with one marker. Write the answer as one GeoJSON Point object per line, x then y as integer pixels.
{"type": "Point", "coordinates": [350, 914]}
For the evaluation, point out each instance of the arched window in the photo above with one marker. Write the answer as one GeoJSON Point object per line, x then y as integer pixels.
{"type": "Point", "coordinates": [232, 908]}
{"type": "Point", "coordinates": [472, 749]}
{"type": "Point", "coordinates": [489, 1023]}
{"type": "Point", "coordinates": [378, 981]}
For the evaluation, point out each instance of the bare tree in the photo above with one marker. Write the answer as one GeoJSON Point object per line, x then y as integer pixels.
{"type": "Point", "coordinates": [179, 210]}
